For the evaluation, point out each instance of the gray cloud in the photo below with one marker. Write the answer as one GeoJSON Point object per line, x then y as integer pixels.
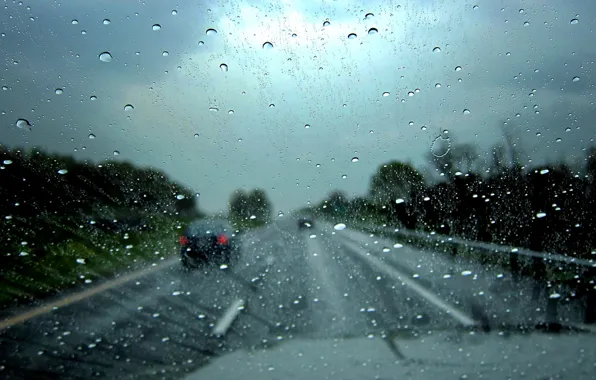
{"type": "Point", "coordinates": [309, 78]}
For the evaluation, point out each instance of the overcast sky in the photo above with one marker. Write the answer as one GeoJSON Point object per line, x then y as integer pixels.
{"type": "Point", "coordinates": [216, 131]}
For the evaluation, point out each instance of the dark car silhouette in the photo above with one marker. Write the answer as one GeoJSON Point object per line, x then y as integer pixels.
{"type": "Point", "coordinates": [208, 241]}
{"type": "Point", "coordinates": [306, 222]}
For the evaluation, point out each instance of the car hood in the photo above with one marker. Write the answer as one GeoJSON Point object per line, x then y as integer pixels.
{"type": "Point", "coordinates": [432, 355]}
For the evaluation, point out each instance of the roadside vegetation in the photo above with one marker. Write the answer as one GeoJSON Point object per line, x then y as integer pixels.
{"type": "Point", "coordinates": [248, 210]}
{"type": "Point", "coordinates": [65, 223]}
{"type": "Point", "coordinates": [549, 208]}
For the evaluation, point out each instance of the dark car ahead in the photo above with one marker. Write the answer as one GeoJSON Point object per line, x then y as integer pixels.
{"type": "Point", "coordinates": [208, 241]}
{"type": "Point", "coordinates": [305, 222]}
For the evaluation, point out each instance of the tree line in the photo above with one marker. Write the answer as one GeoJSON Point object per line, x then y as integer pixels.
{"type": "Point", "coordinates": [550, 208]}
{"type": "Point", "coordinates": [45, 197]}
{"type": "Point", "coordinates": [250, 208]}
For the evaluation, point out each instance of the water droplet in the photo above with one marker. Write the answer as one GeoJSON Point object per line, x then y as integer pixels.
{"type": "Point", "coordinates": [526, 23]}
{"type": "Point", "coordinates": [128, 107]}
{"type": "Point", "coordinates": [223, 67]}
{"type": "Point", "coordinates": [23, 124]}
{"type": "Point", "coordinates": [438, 85]}
{"type": "Point", "coordinates": [544, 171]}
{"type": "Point", "coordinates": [355, 159]}
{"type": "Point", "coordinates": [91, 136]}
{"type": "Point", "coordinates": [180, 197]}
{"type": "Point", "coordinates": [93, 97]}
{"type": "Point", "coordinates": [230, 112]}
{"type": "Point", "coordinates": [558, 140]}
{"type": "Point", "coordinates": [352, 36]}
{"type": "Point", "coordinates": [344, 176]}
{"type": "Point", "coordinates": [423, 128]}
{"type": "Point", "coordinates": [326, 24]}
{"type": "Point", "coordinates": [567, 129]}
{"type": "Point", "coordinates": [466, 272]}
{"type": "Point", "coordinates": [521, 11]}
{"type": "Point", "coordinates": [267, 45]}
{"type": "Point", "coordinates": [105, 57]}
{"type": "Point", "coordinates": [156, 27]}
{"type": "Point", "coordinates": [373, 31]}
{"type": "Point", "coordinates": [201, 43]}
{"type": "Point", "coordinates": [294, 35]}
{"type": "Point", "coordinates": [475, 7]}
{"type": "Point", "coordinates": [211, 32]}
{"type": "Point", "coordinates": [540, 215]}
{"type": "Point", "coordinates": [574, 21]}
{"type": "Point", "coordinates": [576, 79]}
{"type": "Point", "coordinates": [196, 135]}
{"type": "Point", "coordinates": [466, 111]}
{"type": "Point", "coordinates": [83, 32]}
{"type": "Point", "coordinates": [213, 109]}
{"type": "Point", "coordinates": [411, 93]}
{"type": "Point", "coordinates": [457, 68]}
{"type": "Point", "coordinates": [437, 49]}
{"type": "Point", "coordinates": [554, 296]}
{"type": "Point", "coordinates": [174, 12]}
{"type": "Point", "coordinates": [339, 226]}
{"type": "Point", "coordinates": [106, 21]}
{"type": "Point", "coordinates": [116, 153]}
{"type": "Point", "coordinates": [74, 22]}
{"type": "Point", "coordinates": [398, 245]}
{"type": "Point", "coordinates": [271, 105]}
{"type": "Point", "coordinates": [165, 53]}
{"type": "Point", "coordinates": [59, 91]}
{"type": "Point", "coordinates": [440, 146]}
{"type": "Point", "coordinates": [385, 94]}
{"type": "Point", "coordinates": [81, 261]}
{"type": "Point", "coordinates": [62, 171]}
{"type": "Point", "coordinates": [368, 16]}
{"type": "Point", "coordinates": [306, 126]}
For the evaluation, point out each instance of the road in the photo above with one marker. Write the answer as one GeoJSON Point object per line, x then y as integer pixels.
{"type": "Point", "coordinates": [313, 288]}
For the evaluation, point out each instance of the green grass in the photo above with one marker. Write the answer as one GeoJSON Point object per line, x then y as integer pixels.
{"type": "Point", "coordinates": [85, 259]}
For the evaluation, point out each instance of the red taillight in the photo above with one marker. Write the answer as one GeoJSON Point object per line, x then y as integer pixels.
{"type": "Point", "coordinates": [183, 240]}
{"type": "Point", "coordinates": [222, 239]}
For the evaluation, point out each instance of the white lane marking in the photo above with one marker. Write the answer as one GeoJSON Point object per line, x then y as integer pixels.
{"type": "Point", "coordinates": [47, 308]}
{"type": "Point", "coordinates": [317, 260]}
{"type": "Point", "coordinates": [396, 274]}
{"type": "Point", "coordinates": [224, 323]}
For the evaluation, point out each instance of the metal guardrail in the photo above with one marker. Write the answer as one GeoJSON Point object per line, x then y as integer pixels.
{"type": "Point", "coordinates": [487, 246]}
{"type": "Point", "coordinates": [540, 261]}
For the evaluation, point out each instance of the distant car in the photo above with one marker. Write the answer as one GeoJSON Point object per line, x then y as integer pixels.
{"type": "Point", "coordinates": [208, 242]}
{"type": "Point", "coordinates": [305, 222]}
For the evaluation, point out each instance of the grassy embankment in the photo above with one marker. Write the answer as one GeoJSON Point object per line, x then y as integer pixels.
{"type": "Point", "coordinates": [89, 255]}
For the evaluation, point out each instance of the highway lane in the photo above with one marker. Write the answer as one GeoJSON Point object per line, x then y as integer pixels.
{"type": "Point", "coordinates": [316, 283]}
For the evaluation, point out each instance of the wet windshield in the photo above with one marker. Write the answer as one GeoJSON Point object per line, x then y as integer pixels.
{"type": "Point", "coordinates": [394, 189]}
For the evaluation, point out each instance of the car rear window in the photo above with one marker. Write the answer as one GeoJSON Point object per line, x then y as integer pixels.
{"type": "Point", "coordinates": [203, 227]}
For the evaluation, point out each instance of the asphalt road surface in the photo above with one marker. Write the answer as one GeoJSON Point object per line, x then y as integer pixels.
{"type": "Point", "coordinates": [316, 289]}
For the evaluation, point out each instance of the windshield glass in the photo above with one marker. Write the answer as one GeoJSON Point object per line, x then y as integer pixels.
{"type": "Point", "coordinates": [393, 188]}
